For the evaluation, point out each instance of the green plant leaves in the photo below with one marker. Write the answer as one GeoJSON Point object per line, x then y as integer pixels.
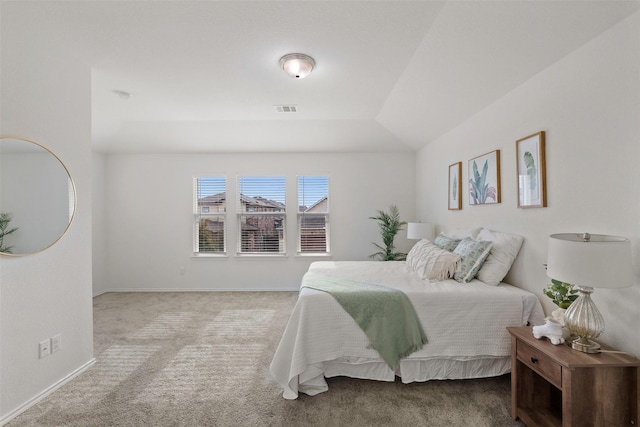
{"type": "Point", "coordinates": [390, 224]}
{"type": "Point", "coordinates": [561, 293]}
{"type": "Point", "coordinates": [5, 219]}
{"type": "Point", "coordinates": [454, 188]}
{"type": "Point", "coordinates": [531, 170]}
{"type": "Point", "coordinates": [479, 186]}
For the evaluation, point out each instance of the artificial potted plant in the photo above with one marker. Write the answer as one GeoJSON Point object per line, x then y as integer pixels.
{"type": "Point", "coordinates": [563, 295]}
{"type": "Point", "coordinates": [390, 224]}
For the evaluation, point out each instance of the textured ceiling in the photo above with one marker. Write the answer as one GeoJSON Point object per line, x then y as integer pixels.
{"type": "Point", "coordinates": [390, 75]}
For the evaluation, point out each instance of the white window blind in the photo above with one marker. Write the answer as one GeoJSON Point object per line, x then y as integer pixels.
{"type": "Point", "coordinates": [261, 214]}
{"type": "Point", "coordinates": [209, 208]}
{"type": "Point", "coordinates": [313, 214]}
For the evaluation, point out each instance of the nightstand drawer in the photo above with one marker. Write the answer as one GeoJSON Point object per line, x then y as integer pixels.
{"type": "Point", "coordinates": [540, 363]}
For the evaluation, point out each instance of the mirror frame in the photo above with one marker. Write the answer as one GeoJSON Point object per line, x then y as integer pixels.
{"type": "Point", "coordinates": [73, 189]}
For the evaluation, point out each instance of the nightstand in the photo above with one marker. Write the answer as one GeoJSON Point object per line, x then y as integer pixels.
{"type": "Point", "coordinates": [557, 386]}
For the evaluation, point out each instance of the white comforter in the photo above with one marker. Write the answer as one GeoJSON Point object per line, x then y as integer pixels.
{"type": "Point", "coordinates": [462, 322]}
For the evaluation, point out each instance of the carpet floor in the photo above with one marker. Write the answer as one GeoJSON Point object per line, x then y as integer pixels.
{"type": "Point", "coordinates": [202, 358]}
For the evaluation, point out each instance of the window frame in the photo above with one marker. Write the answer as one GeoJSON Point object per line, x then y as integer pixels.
{"type": "Point", "coordinates": [199, 215]}
{"type": "Point", "coordinates": [301, 215]}
{"type": "Point", "coordinates": [262, 201]}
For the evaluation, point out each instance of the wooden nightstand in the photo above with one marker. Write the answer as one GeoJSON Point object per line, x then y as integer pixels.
{"type": "Point", "coordinates": [557, 386]}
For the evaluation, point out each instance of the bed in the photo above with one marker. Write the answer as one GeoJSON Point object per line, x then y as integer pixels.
{"type": "Point", "coordinates": [465, 324]}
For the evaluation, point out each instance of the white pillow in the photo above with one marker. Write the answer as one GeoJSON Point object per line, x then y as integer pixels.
{"type": "Point", "coordinates": [431, 262]}
{"type": "Point", "coordinates": [504, 250]}
{"type": "Point", "coordinates": [462, 233]}
{"type": "Point", "coordinates": [413, 257]}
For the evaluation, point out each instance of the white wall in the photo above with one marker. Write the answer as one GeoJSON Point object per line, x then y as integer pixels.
{"type": "Point", "coordinates": [98, 222]}
{"type": "Point", "coordinates": [45, 98]}
{"type": "Point", "coordinates": [589, 105]}
{"type": "Point", "coordinates": [149, 216]}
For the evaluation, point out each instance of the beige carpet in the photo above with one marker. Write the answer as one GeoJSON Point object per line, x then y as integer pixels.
{"type": "Point", "coordinates": [201, 359]}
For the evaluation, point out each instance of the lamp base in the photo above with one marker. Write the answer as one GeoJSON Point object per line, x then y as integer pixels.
{"type": "Point", "coordinates": [585, 345]}
{"type": "Point", "coordinates": [583, 319]}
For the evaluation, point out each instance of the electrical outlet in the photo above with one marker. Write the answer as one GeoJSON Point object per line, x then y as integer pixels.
{"type": "Point", "coordinates": [56, 343]}
{"type": "Point", "coordinates": [182, 271]}
{"type": "Point", "coordinates": [44, 349]}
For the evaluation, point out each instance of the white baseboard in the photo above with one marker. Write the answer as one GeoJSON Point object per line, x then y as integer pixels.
{"type": "Point", "coordinates": [11, 415]}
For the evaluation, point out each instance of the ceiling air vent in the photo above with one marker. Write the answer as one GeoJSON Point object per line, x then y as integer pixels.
{"type": "Point", "coordinates": [286, 108]}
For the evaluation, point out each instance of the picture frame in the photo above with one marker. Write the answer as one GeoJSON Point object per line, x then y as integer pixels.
{"type": "Point", "coordinates": [454, 188]}
{"type": "Point", "coordinates": [484, 179]}
{"type": "Point", "coordinates": [531, 171]}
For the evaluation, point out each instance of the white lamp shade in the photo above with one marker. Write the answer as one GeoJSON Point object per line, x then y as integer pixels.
{"type": "Point", "coordinates": [602, 262]}
{"type": "Point", "coordinates": [419, 230]}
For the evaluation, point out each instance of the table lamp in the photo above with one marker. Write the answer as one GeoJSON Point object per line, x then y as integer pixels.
{"type": "Point", "coordinates": [588, 261]}
{"type": "Point", "coordinates": [419, 230]}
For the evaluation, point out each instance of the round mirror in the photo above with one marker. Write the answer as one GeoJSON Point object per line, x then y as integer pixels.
{"type": "Point", "coordinates": [37, 197]}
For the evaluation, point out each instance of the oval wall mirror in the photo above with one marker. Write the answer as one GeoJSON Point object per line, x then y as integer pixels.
{"type": "Point", "coordinates": [37, 197]}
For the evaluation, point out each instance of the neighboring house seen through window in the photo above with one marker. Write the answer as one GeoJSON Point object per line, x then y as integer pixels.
{"type": "Point", "coordinates": [210, 206]}
{"type": "Point", "coordinates": [261, 214]}
{"type": "Point", "coordinates": [313, 214]}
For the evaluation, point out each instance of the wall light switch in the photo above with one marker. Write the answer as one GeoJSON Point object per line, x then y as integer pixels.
{"type": "Point", "coordinates": [44, 349]}
{"type": "Point", "coordinates": [56, 343]}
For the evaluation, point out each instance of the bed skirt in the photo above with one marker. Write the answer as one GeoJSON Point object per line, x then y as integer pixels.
{"type": "Point", "coordinates": [409, 371]}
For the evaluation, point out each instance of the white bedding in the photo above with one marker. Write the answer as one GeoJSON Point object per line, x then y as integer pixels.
{"type": "Point", "coordinates": [465, 324]}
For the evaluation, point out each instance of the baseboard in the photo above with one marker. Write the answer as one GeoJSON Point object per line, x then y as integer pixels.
{"type": "Point", "coordinates": [11, 415]}
{"type": "Point", "coordinates": [198, 290]}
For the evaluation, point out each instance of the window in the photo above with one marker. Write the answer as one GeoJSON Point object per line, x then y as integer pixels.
{"type": "Point", "coordinates": [261, 214]}
{"type": "Point", "coordinates": [313, 214]}
{"type": "Point", "coordinates": [210, 206]}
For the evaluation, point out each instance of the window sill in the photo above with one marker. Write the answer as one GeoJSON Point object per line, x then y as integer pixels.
{"type": "Point", "coordinates": [255, 256]}
{"type": "Point", "coordinates": [222, 256]}
{"type": "Point", "coordinates": [314, 255]}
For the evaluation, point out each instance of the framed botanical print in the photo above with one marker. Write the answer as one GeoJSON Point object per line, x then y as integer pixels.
{"type": "Point", "coordinates": [484, 179]}
{"type": "Point", "coordinates": [532, 182]}
{"type": "Point", "coordinates": [455, 186]}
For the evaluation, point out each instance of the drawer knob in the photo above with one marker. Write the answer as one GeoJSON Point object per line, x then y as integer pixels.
{"type": "Point", "coordinates": [534, 360]}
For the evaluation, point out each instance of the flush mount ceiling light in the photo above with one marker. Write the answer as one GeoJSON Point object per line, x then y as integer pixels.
{"type": "Point", "coordinates": [297, 65]}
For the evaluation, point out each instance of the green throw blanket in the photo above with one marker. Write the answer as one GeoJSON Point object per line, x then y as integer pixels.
{"type": "Point", "coordinates": [385, 315]}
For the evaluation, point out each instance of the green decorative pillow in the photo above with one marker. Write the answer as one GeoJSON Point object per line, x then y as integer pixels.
{"type": "Point", "coordinates": [473, 254]}
{"type": "Point", "coordinates": [447, 243]}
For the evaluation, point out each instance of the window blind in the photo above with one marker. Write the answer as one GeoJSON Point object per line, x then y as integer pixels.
{"type": "Point", "coordinates": [313, 214]}
{"type": "Point", "coordinates": [261, 209]}
{"type": "Point", "coordinates": [210, 206]}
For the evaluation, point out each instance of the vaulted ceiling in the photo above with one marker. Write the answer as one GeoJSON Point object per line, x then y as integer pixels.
{"type": "Point", "coordinates": [391, 75]}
